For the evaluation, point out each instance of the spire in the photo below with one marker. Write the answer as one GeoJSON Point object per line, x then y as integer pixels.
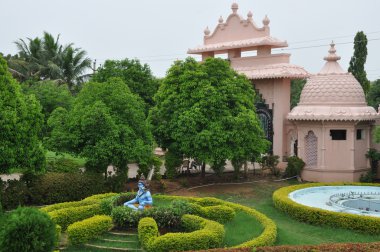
{"type": "Point", "coordinates": [234, 8]}
{"type": "Point", "coordinates": [266, 21]}
{"type": "Point", "coordinates": [206, 31]}
{"type": "Point", "coordinates": [332, 56]}
{"type": "Point", "coordinates": [332, 65]}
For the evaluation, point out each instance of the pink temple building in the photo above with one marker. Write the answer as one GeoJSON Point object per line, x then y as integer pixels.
{"type": "Point", "coordinates": [330, 127]}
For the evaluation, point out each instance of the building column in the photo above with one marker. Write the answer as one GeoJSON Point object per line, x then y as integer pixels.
{"type": "Point", "coordinates": [323, 149]}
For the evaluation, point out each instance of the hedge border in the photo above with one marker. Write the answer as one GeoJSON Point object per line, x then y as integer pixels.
{"type": "Point", "coordinates": [82, 231]}
{"type": "Point", "coordinates": [266, 238]}
{"type": "Point", "coordinates": [319, 216]}
{"type": "Point", "coordinates": [203, 234]}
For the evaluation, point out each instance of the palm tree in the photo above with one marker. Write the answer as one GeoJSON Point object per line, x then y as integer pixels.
{"type": "Point", "coordinates": [47, 59]}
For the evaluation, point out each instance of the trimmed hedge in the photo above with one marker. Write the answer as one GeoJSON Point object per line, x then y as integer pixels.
{"type": "Point", "coordinates": [63, 205]}
{"type": "Point", "coordinates": [66, 216]}
{"type": "Point", "coordinates": [319, 216]}
{"type": "Point", "coordinates": [267, 237]}
{"type": "Point", "coordinates": [205, 234]}
{"type": "Point", "coordinates": [85, 230]}
{"type": "Point", "coordinates": [147, 231]}
{"type": "Point", "coordinates": [220, 213]}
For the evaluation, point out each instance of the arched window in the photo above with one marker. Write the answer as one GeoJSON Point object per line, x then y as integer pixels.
{"type": "Point", "coordinates": [311, 149]}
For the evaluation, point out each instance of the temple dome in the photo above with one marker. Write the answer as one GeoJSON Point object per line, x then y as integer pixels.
{"type": "Point", "coordinates": [332, 94]}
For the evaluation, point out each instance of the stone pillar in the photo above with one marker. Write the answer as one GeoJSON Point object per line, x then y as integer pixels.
{"type": "Point", "coordinates": [206, 55]}
{"type": "Point", "coordinates": [235, 53]}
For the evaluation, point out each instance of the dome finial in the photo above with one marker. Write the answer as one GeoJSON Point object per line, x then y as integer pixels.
{"type": "Point", "coordinates": [221, 20]}
{"type": "Point", "coordinates": [249, 15]}
{"type": "Point", "coordinates": [332, 56]}
{"type": "Point", "coordinates": [266, 20]}
{"type": "Point", "coordinates": [206, 31]}
{"type": "Point", "coordinates": [234, 8]}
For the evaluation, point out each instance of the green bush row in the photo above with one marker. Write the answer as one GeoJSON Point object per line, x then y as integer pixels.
{"type": "Point", "coordinates": [147, 231]}
{"type": "Point", "coordinates": [203, 234]}
{"type": "Point", "coordinates": [82, 231]}
{"type": "Point", "coordinates": [319, 216]}
{"type": "Point", "coordinates": [66, 216]}
{"type": "Point", "coordinates": [266, 238]}
{"type": "Point", "coordinates": [219, 213]}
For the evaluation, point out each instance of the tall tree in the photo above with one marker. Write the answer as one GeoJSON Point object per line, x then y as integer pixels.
{"type": "Point", "coordinates": [106, 125]}
{"type": "Point", "coordinates": [20, 125]}
{"type": "Point", "coordinates": [206, 111]}
{"type": "Point", "coordinates": [296, 87]}
{"type": "Point", "coordinates": [373, 97]}
{"type": "Point", "coordinates": [358, 60]}
{"type": "Point", "coordinates": [138, 77]}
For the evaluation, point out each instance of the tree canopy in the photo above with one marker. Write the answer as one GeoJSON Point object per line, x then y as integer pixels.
{"type": "Point", "coordinates": [107, 125]}
{"type": "Point", "coordinates": [138, 77]}
{"type": "Point", "coordinates": [46, 59]}
{"type": "Point", "coordinates": [296, 87]}
{"type": "Point", "coordinates": [358, 60]}
{"type": "Point", "coordinates": [20, 125]}
{"type": "Point", "coordinates": [206, 111]}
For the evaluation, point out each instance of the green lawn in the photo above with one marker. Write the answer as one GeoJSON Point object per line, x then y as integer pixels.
{"type": "Point", "coordinates": [290, 231]}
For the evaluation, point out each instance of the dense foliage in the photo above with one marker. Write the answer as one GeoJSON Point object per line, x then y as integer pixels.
{"type": "Point", "coordinates": [136, 76]}
{"type": "Point", "coordinates": [206, 111]}
{"type": "Point", "coordinates": [27, 229]}
{"type": "Point", "coordinates": [106, 126]}
{"type": "Point", "coordinates": [46, 59]}
{"type": "Point", "coordinates": [294, 167]}
{"type": "Point", "coordinates": [358, 60]}
{"type": "Point", "coordinates": [21, 122]}
{"type": "Point", "coordinates": [296, 87]}
{"type": "Point", "coordinates": [373, 96]}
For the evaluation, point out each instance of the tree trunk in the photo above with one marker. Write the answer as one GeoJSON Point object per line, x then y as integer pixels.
{"type": "Point", "coordinates": [203, 171]}
{"type": "Point", "coordinates": [246, 169]}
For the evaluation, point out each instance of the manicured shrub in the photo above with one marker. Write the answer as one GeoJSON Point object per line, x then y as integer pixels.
{"type": "Point", "coordinates": [66, 216]}
{"type": "Point", "coordinates": [63, 205]}
{"type": "Point", "coordinates": [294, 167]}
{"type": "Point", "coordinates": [266, 238]}
{"type": "Point", "coordinates": [62, 187]}
{"type": "Point", "coordinates": [87, 229]}
{"type": "Point", "coordinates": [108, 203]}
{"type": "Point", "coordinates": [324, 217]}
{"type": "Point", "coordinates": [221, 213]}
{"type": "Point", "coordinates": [58, 232]}
{"type": "Point", "coordinates": [147, 231]}
{"type": "Point", "coordinates": [27, 229]}
{"type": "Point", "coordinates": [203, 234]}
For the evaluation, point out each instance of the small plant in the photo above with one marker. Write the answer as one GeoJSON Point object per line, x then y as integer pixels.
{"type": "Point", "coordinates": [270, 162]}
{"type": "Point", "coordinates": [295, 166]}
{"type": "Point", "coordinates": [27, 229]}
{"type": "Point", "coordinates": [367, 178]}
{"type": "Point", "coordinates": [374, 156]}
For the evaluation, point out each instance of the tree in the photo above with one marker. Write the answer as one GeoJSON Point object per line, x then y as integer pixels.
{"type": "Point", "coordinates": [358, 60]}
{"type": "Point", "coordinates": [51, 96]}
{"type": "Point", "coordinates": [106, 125]}
{"type": "Point", "coordinates": [206, 111]}
{"type": "Point", "coordinates": [20, 125]}
{"type": "Point", "coordinates": [296, 87]}
{"type": "Point", "coordinates": [46, 59]}
{"type": "Point", "coordinates": [373, 97]}
{"type": "Point", "coordinates": [138, 77]}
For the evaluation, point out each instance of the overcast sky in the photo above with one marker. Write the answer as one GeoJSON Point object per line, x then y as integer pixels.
{"type": "Point", "coordinates": [160, 31]}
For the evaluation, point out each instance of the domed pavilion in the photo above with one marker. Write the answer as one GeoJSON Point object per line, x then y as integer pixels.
{"type": "Point", "coordinates": [333, 125]}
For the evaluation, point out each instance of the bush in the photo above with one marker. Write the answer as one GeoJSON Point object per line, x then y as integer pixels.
{"type": "Point", "coordinates": [125, 217]}
{"type": "Point", "coordinates": [147, 231]}
{"type": "Point", "coordinates": [63, 205]}
{"type": "Point", "coordinates": [108, 203]}
{"type": "Point", "coordinates": [368, 177]}
{"type": "Point", "coordinates": [204, 234]}
{"type": "Point", "coordinates": [318, 216]}
{"type": "Point", "coordinates": [266, 238]}
{"type": "Point", "coordinates": [27, 229]}
{"type": "Point", "coordinates": [85, 230]}
{"type": "Point", "coordinates": [221, 214]}
{"type": "Point", "coordinates": [62, 187]}
{"type": "Point", "coordinates": [66, 216]}
{"type": "Point", "coordinates": [62, 164]}
{"type": "Point", "coordinates": [295, 166]}
{"type": "Point", "coordinates": [13, 193]}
